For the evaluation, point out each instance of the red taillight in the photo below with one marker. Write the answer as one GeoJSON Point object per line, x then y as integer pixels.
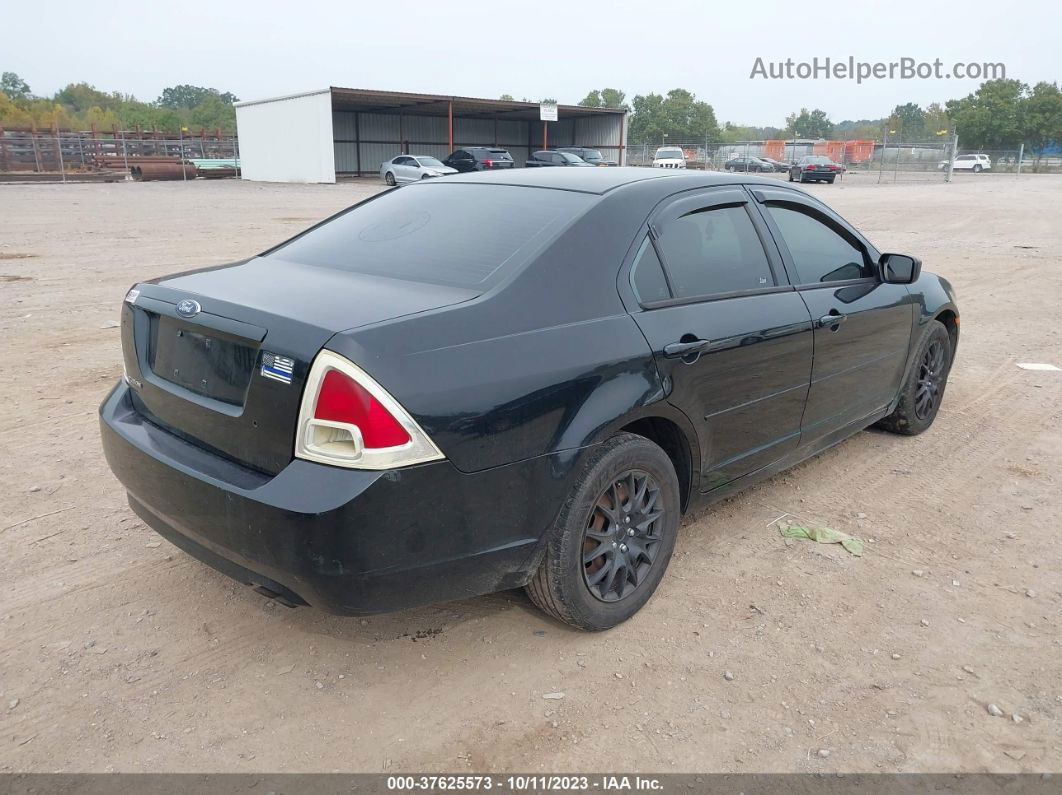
{"type": "Point", "coordinates": [347, 419]}
{"type": "Point", "coordinates": [834, 168]}
{"type": "Point", "coordinates": [490, 163]}
{"type": "Point", "coordinates": [342, 399]}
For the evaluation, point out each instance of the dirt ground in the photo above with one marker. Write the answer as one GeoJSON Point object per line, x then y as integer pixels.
{"type": "Point", "coordinates": [120, 653]}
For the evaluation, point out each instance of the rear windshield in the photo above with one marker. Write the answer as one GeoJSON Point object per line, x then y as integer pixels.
{"type": "Point", "coordinates": [454, 234]}
{"type": "Point", "coordinates": [819, 160]}
{"type": "Point", "coordinates": [492, 154]}
{"type": "Point", "coordinates": [590, 154]}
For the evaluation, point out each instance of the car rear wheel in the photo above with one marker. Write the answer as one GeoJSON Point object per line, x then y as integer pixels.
{"type": "Point", "coordinates": [831, 179]}
{"type": "Point", "coordinates": [614, 537]}
{"type": "Point", "coordinates": [790, 176]}
{"type": "Point", "coordinates": [389, 178]}
{"type": "Point", "coordinates": [923, 389]}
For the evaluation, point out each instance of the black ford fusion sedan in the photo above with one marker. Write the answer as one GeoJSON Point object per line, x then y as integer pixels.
{"type": "Point", "coordinates": [511, 379]}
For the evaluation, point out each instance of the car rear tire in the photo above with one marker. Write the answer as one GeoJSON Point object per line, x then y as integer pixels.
{"type": "Point", "coordinates": [831, 179]}
{"type": "Point", "coordinates": [613, 538]}
{"type": "Point", "coordinates": [790, 176]}
{"type": "Point", "coordinates": [923, 388]}
{"type": "Point", "coordinates": [389, 178]}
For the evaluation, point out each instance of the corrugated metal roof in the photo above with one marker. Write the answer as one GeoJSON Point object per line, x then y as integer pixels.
{"type": "Point", "coordinates": [438, 105]}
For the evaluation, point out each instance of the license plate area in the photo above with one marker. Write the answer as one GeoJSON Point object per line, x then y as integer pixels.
{"type": "Point", "coordinates": [204, 361]}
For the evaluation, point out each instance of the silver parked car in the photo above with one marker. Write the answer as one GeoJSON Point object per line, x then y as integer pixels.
{"type": "Point", "coordinates": [410, 168]}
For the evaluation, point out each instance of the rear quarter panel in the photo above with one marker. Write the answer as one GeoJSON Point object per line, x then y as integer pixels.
{"type": "Point", "coordinates": [503, 399]}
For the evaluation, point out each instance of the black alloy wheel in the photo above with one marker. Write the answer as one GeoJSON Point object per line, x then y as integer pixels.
{"type": "Point", "coordinates": [931, 375]}
{"type": "Point", "coordinates": [923, 386]}
{"type": "Point", "coordinates": [613, 538]}
{"type": "Point", "coordinates": [621, 536]}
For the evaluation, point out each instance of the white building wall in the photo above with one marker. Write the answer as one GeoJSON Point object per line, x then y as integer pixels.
{"type": "Point", "coordinates": [287, 139]}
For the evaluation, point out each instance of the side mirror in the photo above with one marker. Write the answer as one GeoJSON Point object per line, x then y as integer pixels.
{"type": "Point", "coordinates": [899, 268]}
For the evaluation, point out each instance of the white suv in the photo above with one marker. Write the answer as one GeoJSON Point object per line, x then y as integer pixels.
{"type": "Point", "coordinates": [669, 157]}
{"type": "Point", "coordinates": [974, 163]}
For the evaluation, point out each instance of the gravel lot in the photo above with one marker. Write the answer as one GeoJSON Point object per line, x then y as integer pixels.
{"type": "Point", "coordinates": [118, 652]}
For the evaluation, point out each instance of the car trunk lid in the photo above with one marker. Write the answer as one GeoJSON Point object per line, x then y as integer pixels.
{"type": "Point", "coordinates": [219, 357]}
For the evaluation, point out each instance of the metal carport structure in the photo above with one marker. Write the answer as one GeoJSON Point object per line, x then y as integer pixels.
{"type": "Point", "coordinates": [320, 135]}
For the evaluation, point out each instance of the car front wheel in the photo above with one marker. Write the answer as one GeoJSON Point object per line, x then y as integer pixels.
{"type": "Point", "coordinates": [977, 169]}
{"type": "Point", "coordinates": [389, 178]}
{"type": "Point", "coordinates": [923, 388]}
{"type": "Point", "coordinates": [613, 538]}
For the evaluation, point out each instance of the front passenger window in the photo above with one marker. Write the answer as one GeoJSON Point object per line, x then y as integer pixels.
{"type": "Point", "coordinates": [819, 252]}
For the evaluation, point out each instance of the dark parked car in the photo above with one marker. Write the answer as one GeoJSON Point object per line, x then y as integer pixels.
{"type": "Point", "coordinates": [550, 158]}
{"type": "Point", "coordinates": [500, 380]}
{"type": "Point", "coordinates": [591, 156]}
{"type": "Point", "coordinates": [479, 158]}
{"type": "Point", "coordinates": [777, 165]}
{"type": "Point", "coordinates": [748, 165]}
{"type": "Point", "coordinates": [814, 168]}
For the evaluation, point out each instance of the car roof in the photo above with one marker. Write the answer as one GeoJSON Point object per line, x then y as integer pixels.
{"type": "Point", "coordinates": [603, 180]}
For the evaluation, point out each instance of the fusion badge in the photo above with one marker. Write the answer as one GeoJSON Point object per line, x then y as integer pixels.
{"type": "Point", "coordinates": [279, 368]}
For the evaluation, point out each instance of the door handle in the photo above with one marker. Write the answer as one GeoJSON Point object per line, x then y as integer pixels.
{"type": "Point", "coordinates": [680, 350]}
{"type": "Point", "coordinates": [832, 319]}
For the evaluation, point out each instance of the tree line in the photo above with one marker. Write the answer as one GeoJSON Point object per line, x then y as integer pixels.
{"type": "Point", "coordinates": [80, 106]}
{"type": "Point", "coordinates": [1000, 114]}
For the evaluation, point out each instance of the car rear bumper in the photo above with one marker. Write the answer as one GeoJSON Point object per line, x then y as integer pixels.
{"type": "Point", "coordinates": [347, 541]}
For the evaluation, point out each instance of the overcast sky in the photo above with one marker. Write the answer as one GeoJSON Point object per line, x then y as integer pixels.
{"type": "Point", "coordinates": [258, 49]}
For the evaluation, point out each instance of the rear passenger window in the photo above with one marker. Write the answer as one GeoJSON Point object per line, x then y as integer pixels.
{"type": "Point", "coordinates": [647, 277]}
{"type": "Point", "coordinates": [819, 253]}
{"type": "Point", "coordinates": [714, 251]}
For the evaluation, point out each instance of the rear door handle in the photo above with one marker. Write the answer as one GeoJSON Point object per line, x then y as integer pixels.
{"type": "Point", "coordinates": [679, 350]}
{"type": "Point", "coordinates": [832, 320]}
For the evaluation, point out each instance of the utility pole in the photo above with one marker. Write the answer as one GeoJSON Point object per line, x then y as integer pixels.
{"type": "Point", "coordinates": [951, 160]}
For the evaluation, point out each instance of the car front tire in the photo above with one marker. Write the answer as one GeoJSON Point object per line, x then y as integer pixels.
{"type": "Point", "coordinates": [923, 387]}
{"type": "Point", "coordinates": [389, 178]}
{"type": "Point", "coordinates": [613, 538]}
{"type": "Point", "coordinates": [978, 169]}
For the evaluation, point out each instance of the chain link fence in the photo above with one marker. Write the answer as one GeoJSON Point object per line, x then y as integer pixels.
{"type": "Point", "coordinates": [30, 156]}
{"type": "Point", "coordinates": [864, 161]}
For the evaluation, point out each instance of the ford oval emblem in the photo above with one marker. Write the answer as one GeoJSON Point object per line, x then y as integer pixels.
{"type": "Point", "coordinates": [188, 308]}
